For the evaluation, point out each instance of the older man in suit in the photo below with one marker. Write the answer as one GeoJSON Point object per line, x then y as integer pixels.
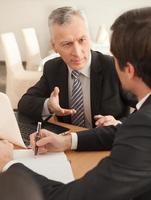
{"type": "Point", "coordinates": [53, 94]}
{"type": "Point", "coordinates": [126, 173]}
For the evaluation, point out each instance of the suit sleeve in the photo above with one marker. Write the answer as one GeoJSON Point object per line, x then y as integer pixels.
{"type": "Point", "coordinates": [55, 74]}
{"type": "Point", "coordinates": [31, 103]}
{"type": "Point", "coordinates": [124, 175]}
{"type": "Point", "coordinates": [100, 138]}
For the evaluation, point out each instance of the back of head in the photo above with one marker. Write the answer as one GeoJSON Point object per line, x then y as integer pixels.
{"type": "Point", "coordinates": [63, 15]}
{"type": "Point", "coordinates": [18, 186]}
{"type": "Point", "coordinates": [131, 41]}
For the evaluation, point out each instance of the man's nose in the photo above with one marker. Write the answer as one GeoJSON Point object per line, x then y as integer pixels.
{"type": "Point", "coordinates": [77, 50]}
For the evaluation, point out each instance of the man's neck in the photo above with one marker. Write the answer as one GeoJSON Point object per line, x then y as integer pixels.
{"type": "Point", "coordinates": [140, 103]}
{"type": "Point", "coordinates": [140, 89]}
{"type": "Point", "coordinates": [143, 94]}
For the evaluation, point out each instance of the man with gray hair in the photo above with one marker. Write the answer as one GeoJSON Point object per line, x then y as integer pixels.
{"type": "Point", "coordinates": [126, 173]}
{"type": "Point", "coordinates": [81, 83]}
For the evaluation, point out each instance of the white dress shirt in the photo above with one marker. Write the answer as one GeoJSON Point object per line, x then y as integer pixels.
{"type": "Point", "coordinates": [140, 103]}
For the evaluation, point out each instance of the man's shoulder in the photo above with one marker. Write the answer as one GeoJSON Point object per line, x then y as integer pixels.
{"type": "Point", "coordinates": [100, 56]}
{"type": "Point", "coordinates": [102, 62]}
{"type": "Point", "coordinates": [54, 64]}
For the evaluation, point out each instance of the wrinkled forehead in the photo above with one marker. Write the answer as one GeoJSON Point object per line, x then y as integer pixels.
{"type": "Point", "coordinates": [76, 27]}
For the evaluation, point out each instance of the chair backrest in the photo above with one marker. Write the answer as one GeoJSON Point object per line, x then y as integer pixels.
{"type": "Point", "coordinates": [102, 42]}
{"type": "Point", "coordinates": [33, 55]}
{"type": "Point", "coordinates": [102, 35]}
{"type": "Point", "coordinates": [11, 52]}
{"type": "Point", "coordinates": [44, 60]}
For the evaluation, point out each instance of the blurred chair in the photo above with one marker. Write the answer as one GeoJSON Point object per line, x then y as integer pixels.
{"type": "Point", "coordinates": [18, 80]}
{"type": "Point", "coordinates": [102, 42]}
{"type": "Point", "coordinates": [33, 55]}
{"type": "Point", "coordinates": [49, 57]}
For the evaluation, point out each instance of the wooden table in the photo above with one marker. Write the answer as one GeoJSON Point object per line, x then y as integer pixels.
{"type": "Point", "coordinates": [82, 162]}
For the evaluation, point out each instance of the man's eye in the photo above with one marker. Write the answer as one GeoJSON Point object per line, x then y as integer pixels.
{"type": "Point", "coordinates": [82, 40]}
{"type": "Point", "coordinates": [67, 44]}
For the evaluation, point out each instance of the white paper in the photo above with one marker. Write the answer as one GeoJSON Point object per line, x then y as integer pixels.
{"type": "Point", "coordinates": [54, 166]}
{"type": "Point", "coordinates": [9, 129]}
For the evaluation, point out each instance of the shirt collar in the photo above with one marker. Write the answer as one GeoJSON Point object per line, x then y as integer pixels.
{"type": "Point", "coordinates": [140, 103]}
{"type": "Point", "coordinates": [85, 70]}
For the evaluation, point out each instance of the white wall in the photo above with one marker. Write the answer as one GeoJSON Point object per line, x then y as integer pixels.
{"type": "Point", "coordinates": [18, 14]}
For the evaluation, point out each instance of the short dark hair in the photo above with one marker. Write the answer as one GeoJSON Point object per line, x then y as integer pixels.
{"type": "Point", "coordinates": [131, 41]}
{"type": "Point", "coordinates": [18, 185]}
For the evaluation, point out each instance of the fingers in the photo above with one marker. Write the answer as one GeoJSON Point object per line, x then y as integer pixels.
{"type": "Point", "coordinates": [54, 106]}
{"type": "Point", "coordinates": [43, 141]}
{"type": "Point", "coordinates": [100, 122]}
{"type": "Point", "coordinates": [43, 133]}
{"type": "Point", "coordinates": [32, 140]}
{"type": "Point", "coordinates": [55, 92]}
{"type": "Point", "coordinates": [65, 112]}
{"type": "Point", "coordinates": [6, 153]}
{"type": "Point", "coordinates": [106, 121]}
{"type": "Point", "coordinates": [53, 102]}
{"type": "Point", "coordinates": [42, 150]}
{"type": "Point", "coordinates": [96, 117]}
{"type": "Point", "coordinates": [5, 142]}
{"type": "Point", "coordinates": [68, 111]}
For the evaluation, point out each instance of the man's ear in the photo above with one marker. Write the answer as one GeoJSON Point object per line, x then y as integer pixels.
{"type": "Point", "coordinates": [53, 46]}
{"type": "Point", "coordinates": [130, 70]}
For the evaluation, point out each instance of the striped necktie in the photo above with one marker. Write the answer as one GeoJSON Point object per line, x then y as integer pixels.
{"type": "Point", "coordinates": [77, 100]}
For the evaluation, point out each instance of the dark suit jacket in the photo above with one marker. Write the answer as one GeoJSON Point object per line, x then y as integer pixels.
{"type": "Point", "coordinates": [107, 98]}
{"type": "Point", "coordinates": [124, 175]}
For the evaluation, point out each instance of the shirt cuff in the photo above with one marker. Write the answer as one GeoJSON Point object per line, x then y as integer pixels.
{"type": "Point", "coordinates": [8, 165]}
{"type": "Point", "coordinates": [45, 111]}
{"type": "Point", "coordinates": [74, 141]}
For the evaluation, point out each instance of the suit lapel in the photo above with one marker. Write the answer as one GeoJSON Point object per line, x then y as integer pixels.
{"type": "Point", "coordinates": [95, 85]}
{"type": "Point", "coordinates": [63, 84]}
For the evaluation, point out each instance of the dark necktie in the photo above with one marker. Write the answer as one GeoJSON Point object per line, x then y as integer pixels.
{"type": "Point", "coordinates": [77, 100]}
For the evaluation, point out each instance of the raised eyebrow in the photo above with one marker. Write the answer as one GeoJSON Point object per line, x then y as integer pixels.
{"type": "Point", "coordinates": [83, 37]}
{"type": "Point", "coordinates": [66, 42]}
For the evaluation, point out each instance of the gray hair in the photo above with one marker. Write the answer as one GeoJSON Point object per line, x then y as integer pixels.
{"type": "Point", "coordinates": [63, 15]}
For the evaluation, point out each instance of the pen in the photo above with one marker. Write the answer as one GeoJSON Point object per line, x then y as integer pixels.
{"type": "Point", "coordinates": [37, 137]}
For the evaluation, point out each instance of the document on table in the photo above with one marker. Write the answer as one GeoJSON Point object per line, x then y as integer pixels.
{"type": "Point", "coordinates": [9, 129]}
{"type": "Point", "coordinates": [54, 166]}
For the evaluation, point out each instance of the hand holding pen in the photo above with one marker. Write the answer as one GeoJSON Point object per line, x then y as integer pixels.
{"type": "Point", "coordinates": [37, 136]}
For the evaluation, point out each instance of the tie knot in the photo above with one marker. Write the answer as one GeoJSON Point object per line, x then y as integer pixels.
{"type": "Point", "coordinates": [75, 74]}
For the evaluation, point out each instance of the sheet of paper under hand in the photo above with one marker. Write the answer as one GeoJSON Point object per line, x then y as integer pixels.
{"type": "Point", "coordinates": [9, 129]}
{"type": "Point", "coordinates": [54, 166]}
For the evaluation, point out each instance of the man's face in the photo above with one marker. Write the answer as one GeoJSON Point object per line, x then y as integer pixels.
{"type": "Point", "coordinates": [72, 42]}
